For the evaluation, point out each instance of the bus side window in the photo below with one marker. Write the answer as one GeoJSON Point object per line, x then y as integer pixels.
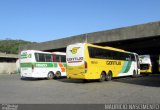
{"type": "Point", "coordinates": [48, 58]}
{"type": "Point", "coordinates": [57, 58]}
{"type": "Point", "coordinates": [63, 58]}
{"type": "Point", "coordinates": [41, 57]}
{"type": "Point", "coordinates": [37, 57]}
{"type": "Point", "coordinates": [54, 58]}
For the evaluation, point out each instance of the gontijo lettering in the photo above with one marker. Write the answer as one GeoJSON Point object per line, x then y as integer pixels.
{"type": "Point", "coordinates": [75, 59]}
{"type": "Point", "coordinates": [113, 62]}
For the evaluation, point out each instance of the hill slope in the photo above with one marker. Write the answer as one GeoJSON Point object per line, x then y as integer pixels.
{"type": "Point", "coordinates": [11, 46]}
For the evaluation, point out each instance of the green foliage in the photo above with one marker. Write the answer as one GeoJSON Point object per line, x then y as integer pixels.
{"type": "Point", "coordinates": [11, 46]}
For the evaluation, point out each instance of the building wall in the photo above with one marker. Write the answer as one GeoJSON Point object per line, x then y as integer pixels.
{"type": "Point", "coordinates": [7, 68]}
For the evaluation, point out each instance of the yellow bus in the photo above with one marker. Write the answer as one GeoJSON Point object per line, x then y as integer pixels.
{"type": "Point", "coordinates": [87, 61]}
{"type": "Point", "coordinates": [145, 64]}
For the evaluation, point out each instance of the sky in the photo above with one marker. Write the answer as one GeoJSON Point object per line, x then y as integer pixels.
{"type": "Point", "coordinates": [45, 20]}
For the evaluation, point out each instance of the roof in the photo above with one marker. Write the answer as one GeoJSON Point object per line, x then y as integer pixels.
{"type": "Point", "coordinates": [140, 31]}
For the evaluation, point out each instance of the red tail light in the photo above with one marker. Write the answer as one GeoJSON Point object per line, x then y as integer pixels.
{"type": "Point", "coordinates": [32, 67]}
{"type": "Point", "coordinates": [85, 66]}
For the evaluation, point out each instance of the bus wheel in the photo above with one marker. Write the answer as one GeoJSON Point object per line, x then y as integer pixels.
{"type": "Point", "coordinates": [109, 76]}
{"type": "Point", "coordinates": [102, 77]}
{"type": "Point", "coordinates": [58, 74]}
{"type": "Point", "coordinates": [134, 74]}
{"type": "Point", "coordinates": [50, 76]}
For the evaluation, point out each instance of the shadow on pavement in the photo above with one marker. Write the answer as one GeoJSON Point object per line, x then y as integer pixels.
{"type": "Point", "coordinates": [76, 81]}
{"type": "Point", "coordinates": [33, 79]}
{"type": "Point", "coordinates": [38, 79]}
{"type": "Point", "coordinates": [150, 80]}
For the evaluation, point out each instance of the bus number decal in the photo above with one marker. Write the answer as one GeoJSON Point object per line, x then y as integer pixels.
{"type": "Point", "coordinates": [94, 62]}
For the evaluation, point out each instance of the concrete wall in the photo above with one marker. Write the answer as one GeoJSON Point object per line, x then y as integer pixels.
{"type": "Point", "coordinates": [8, 55]}
{"type": "Point", "coordinates": [7, 68]}
{"type": "Point", "coordinates": [125, 33]}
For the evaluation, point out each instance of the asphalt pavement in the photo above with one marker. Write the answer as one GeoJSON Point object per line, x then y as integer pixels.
{"type": "Point", "coordinates": [144, 89]}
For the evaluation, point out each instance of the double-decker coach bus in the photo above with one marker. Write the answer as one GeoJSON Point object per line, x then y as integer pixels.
{"type": "Point", "coordinates": [86, 61]}
{"type": "Point", "coordinates": [38, 64]}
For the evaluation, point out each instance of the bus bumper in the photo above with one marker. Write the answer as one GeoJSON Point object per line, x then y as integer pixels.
{"type": "Point", "coordinates": [76, 76]}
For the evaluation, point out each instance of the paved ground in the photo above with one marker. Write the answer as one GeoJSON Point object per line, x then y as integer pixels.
{"type": "Point", "coordinates": [122, 90]}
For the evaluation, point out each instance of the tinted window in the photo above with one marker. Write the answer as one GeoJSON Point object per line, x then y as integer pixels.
{"type": "Point", "coordinates": [63, 58]}
{"type": "Point", "coordinates": [48, 58]}
{"type": "Point", "coordinates": [59, 58]}
{"type": "Point", "coordinates": [37, 57]}
{"type": "Point", "coordinates": [56, 58]}
{"type": "Point", "coordinates": [109, 54]}
{"type": "Point", "coordinates": [40, 57]}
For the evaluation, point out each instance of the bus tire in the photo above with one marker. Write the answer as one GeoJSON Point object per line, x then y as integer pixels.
{"type": "Point", "coordinates": [109, 76]}
{"type": "Point", "coordinates": [50, 76]}
{"type": "Point", "coordinates": [134, 74]}
{"type": "Point", "coordinates": [58, 74]}
{"type": "Point", "coordinates": [102, 77]}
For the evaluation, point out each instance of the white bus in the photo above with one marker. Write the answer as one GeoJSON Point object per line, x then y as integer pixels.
{"type": "Point", "coordinates": [145, 64]}
{"type": "Point", "coordinates": [86, 61]}
{"type": "Point", "coordinates": [38, 64]}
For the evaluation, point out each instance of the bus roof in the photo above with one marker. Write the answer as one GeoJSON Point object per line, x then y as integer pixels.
{"type": "Point", "coordinates": [106, 47]}
{"type": "Point", "coordinates": [117, 49]}
{"type": "Point", "coordinates": [38, 51]}
{"type": "Point", "coordinates": [59, 53]}
{"type": "Point", "coordinates": [34, 51]}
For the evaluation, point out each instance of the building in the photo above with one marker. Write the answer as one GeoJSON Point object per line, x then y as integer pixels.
{"type": "Point", "coordinates": [8, 63]}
